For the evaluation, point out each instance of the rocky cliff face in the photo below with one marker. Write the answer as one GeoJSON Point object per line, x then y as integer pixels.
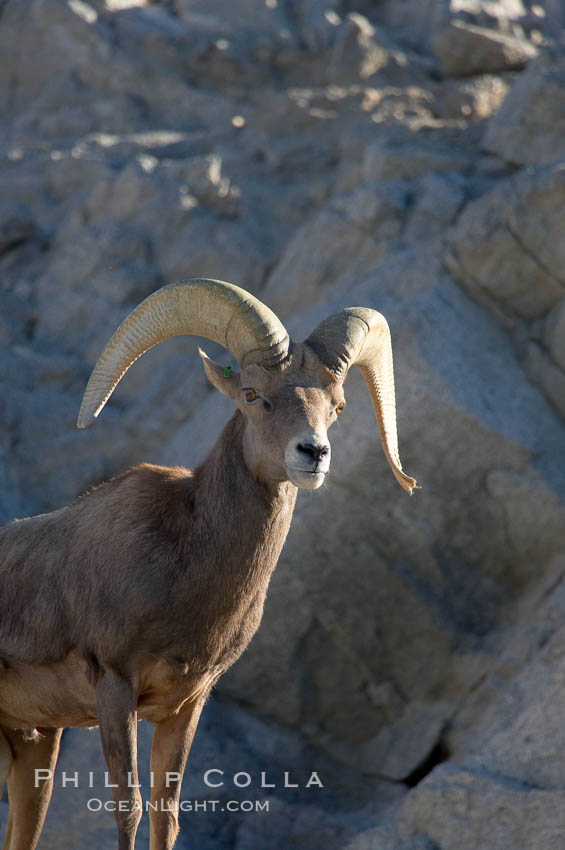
{"type": "Point", "coordinates": [406, 155]}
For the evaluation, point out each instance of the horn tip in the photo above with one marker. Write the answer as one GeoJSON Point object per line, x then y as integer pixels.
{"type": "Point", "coordinates": [85, 419]}
{"type": "Point", "coordinates": [406, 482]}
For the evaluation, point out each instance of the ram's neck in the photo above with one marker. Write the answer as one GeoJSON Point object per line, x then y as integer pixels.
{"type": "Point", "coordinates": [247, 519]}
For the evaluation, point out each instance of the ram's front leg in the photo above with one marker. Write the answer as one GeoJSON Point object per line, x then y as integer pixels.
{"type": "Point", "coordinates": [117, 716]}
{"type": "Point", "coordinates": [172, 739]}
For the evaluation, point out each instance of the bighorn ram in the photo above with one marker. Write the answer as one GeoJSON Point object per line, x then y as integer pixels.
{"type": "Point", "coordinates": [130, 603]}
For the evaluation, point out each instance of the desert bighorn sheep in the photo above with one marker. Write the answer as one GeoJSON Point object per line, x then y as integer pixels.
{"type": "Point", "coordinates": [130, 603]}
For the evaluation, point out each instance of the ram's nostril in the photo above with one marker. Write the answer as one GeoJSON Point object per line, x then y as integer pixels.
{"type": "Point", "coordinates": [307, 449]}
{"type": "Point", "coordinates": [314, 452]}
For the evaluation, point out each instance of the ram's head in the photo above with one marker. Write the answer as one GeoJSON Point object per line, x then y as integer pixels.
{"type": "Point", "coordinates": [289, 393]}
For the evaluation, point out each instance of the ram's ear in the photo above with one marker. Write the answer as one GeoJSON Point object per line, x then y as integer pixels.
{"type": "Point", "coordinates": [226, 379]}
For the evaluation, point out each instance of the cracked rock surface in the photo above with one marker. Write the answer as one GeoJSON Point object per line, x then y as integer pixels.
{"type": "Point", "coordinates": [406, 156]}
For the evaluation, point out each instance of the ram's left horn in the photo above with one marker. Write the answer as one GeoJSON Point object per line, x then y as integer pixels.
{"type": "Point", "coordinates": [360, 337]}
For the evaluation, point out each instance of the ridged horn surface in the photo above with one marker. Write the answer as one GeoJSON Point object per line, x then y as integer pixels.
{"type": "Point", "coordinates": [219, 311]}
{"type": "Point", "coordinates": [359, 336]}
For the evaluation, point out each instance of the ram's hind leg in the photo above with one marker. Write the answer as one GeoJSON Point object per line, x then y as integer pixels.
{"type": "Point", "coordinates": [28, 803]}
{"type": "Point", "coordinates": [5, 760]}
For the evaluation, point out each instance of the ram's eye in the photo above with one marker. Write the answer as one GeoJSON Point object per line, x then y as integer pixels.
{"type": "Point", "coordinates": [249, 395]}
{"type": "Point", "coordinates": [340, 408]}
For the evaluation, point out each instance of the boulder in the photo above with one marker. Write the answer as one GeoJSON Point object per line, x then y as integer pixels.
{"type": "Point", "coordinates": [505, 247]}
{"type": "Point", "coordinates": [420, 21]}
{"type": "Point", "coordinates": [463, 49]}
{"type": "Point", "coordinates": [529, 127]}
{"type": "Point", "coordinates": [456, 808]}
{"type": "Point", "coordinates": [529, 747]}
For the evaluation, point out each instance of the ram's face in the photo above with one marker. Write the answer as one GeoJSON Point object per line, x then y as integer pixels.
{"type": "Point", "coordinates": [288, 413]}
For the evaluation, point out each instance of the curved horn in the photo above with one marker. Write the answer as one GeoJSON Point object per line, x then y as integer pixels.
{"type": "Point", "coordinates": [360, 337]}
{"type": "Point", "coordinates": [219, 311]}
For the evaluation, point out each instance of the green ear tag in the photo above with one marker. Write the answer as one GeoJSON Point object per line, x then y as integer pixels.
{"type": "Point", "coordinates": [227, 372]}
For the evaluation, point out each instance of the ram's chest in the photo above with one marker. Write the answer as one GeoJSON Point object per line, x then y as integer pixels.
{"type": "Point", "coordinates": [233, 639]}
{"type": "Point", "coordinates": [165, 683]}
{"type": "Point", "coordinates": [164, 686]}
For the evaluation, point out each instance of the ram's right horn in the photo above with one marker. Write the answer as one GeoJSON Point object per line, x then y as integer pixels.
{"type": "Point", "coordinates": [219, 311]}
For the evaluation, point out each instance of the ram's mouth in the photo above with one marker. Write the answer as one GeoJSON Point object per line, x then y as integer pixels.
{"type": "Point", "coordinates": [306, 479]}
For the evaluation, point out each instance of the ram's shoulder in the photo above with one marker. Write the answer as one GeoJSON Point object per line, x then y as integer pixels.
{"type": "Point", "coordinates": [157, 496]}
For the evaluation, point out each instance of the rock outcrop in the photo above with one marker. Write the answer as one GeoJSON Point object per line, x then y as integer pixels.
{"type": "Point", "coordinates": [407, 156]}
